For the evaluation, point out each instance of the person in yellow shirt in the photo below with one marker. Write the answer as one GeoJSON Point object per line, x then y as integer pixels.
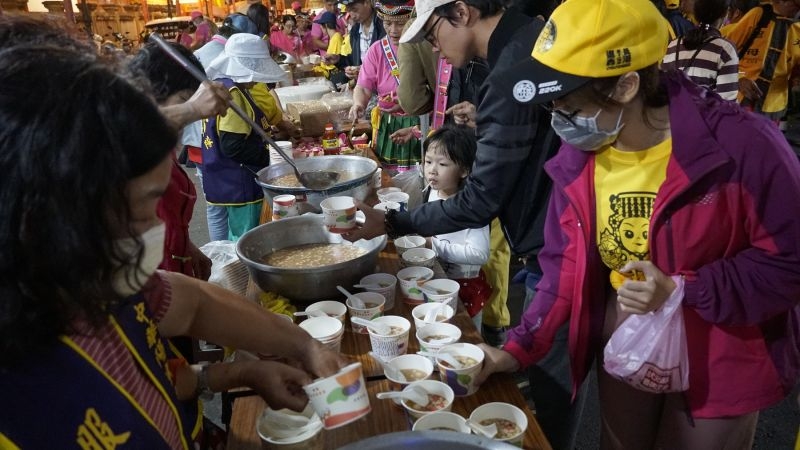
{"type": "Point", "coordinates": [768, 42]}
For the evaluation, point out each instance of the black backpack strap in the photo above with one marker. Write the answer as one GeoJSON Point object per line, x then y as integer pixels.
{"type": "Point", "coordinates": [776, 45]}
{"type": "Point", "coordinates": [766, 16]}
{"type": "Point", "coordinates": [696, 52]}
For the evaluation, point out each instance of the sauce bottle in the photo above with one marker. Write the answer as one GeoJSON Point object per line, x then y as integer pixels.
{"type": "Point", "coordinates": [330, 142]}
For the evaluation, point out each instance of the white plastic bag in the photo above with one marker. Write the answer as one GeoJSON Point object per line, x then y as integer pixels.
{"type": "Point", "coordinates": [226, 268]}
{"type": "Point", "coordinates": [410, 182]}
{"type": "Point", "coordinates": [648, 351]}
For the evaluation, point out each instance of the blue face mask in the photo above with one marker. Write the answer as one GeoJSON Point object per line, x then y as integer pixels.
{"type": "Point", "coordinates": [583, 132]}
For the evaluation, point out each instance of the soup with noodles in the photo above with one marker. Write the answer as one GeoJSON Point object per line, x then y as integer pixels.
{"type": "Point", "coordinates": [309, 256]}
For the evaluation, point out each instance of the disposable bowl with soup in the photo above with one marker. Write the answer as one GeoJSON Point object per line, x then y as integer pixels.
{"type": "Point", "coordinates": [412, 367]}
{"type": "Point", "coordinates": [355, 180]}
{"type": "Point", "coordinates": [461, 379]}
{"type": "Point", "coordinates": [433, 337]}
{"type": "Point", "coordinates": [511, 421]}
{"type": "Point", "coordinates": [276, 436]}
{"type": "Point", "coordinates": [440, 398]}
{"type": "Point", "coordinates": [395, 342]}
{"type": "Point", "coordinates": [418, 257]}
{"type": "Point", "coordinates": [444, 313]}
{"type": "Point", "coordinates": [404, 243]}
{"type": "Point", "coordinates": [382, 283]}
{"type": "Point", "coordinates": [373, 305]}
{"type": "Point", "coordinates": [383, 192]}
{"type": "Point", "coordinates": [441, 290]}
{"type": "Point", "coordinates": [304, 273]}
{"type": "Point", "coordinates": [331, 308]}
{"type": "Point", "coordinates": [442, 421]}
{"type": "Point", "coordinates": [339, 214]}
{"type": "Point", "coordinates": [410, 279]}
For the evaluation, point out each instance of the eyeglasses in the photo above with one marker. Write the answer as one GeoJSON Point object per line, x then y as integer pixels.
{"type": "Point", "coordinates": [430, 35]}
{"type": "Point", "coordinates": [564, 115]}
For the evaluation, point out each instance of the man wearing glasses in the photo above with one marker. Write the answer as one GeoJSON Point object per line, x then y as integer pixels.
{"type": "Point", "coordinates": [368, 28]}
{"type": "Point", "coordinates": [508, 179]}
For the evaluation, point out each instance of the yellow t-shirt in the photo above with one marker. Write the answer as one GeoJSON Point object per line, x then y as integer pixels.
{"type": "Point", "coordinates": [335, 44]}
{"type": "Point", "coordinates": [232, 123]}
{"type": "Point", "coordinates": [626, 184]}
{"type": "Point", "coordinates": [751, 63]}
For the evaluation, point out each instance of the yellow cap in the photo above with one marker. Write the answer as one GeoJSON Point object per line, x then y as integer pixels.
{"type": "Point", "coordinates": [673, 4]}
{"type": "Point", "coordinates": [587, 39]}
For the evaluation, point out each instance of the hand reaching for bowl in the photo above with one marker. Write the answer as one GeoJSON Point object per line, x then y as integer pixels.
{"type": "Point", "coordinates": [280, 385]}
{"type": "Point", "coordinates": [373, 226]}
{"type": "Point", "coordinates": [495, 360]}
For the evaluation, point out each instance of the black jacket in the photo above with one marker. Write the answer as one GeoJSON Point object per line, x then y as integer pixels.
{"type": "Point", "coordinates": [354, 58]}
{"type": "Point", "coordinates": [514, 141]}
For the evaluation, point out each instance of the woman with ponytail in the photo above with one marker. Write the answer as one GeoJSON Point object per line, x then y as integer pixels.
{"type": "Point", "coordinates": [703, 54]}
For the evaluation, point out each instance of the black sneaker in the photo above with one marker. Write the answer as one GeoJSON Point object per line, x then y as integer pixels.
{"type": "Point", "coordinates": [494, 336]}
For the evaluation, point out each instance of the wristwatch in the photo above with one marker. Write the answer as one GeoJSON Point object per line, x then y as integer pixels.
{"type": "Point", "coordinates": [202, 390]}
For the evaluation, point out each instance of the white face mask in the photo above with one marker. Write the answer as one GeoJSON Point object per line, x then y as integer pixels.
{"type": "Point", "coordinates": [585, 134]}
{"type": "Point", "coordinates": [130, 278]}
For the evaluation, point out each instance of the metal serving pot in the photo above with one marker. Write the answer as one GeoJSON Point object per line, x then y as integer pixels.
{"type": "Point", "coordinates": [308, 200]}
{"type": "Point", "coordinates": [303, 285]}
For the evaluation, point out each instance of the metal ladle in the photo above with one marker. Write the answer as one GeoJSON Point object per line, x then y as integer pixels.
{"type": "Point", "coordinates": [318, 180]}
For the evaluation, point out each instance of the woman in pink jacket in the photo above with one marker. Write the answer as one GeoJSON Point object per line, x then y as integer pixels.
{"type": "Point", "coordinates": [660, 189]}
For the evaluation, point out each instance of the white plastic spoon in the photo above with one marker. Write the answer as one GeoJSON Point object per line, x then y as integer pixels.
{"type": "Point", "coordinates": [446, 357]}
{"type": "Point", "coordinates": [377, 327]}
{"type": "Point", "coordinates": [489, 431]}
{"type": "Point", "coordinates": [433, 313]}
{"type": "Point", "coordinates": [390, 371]}
{"type": "Point", "coordinates": [415, 394]}
{"type": "Point", "coordinates": [312, 313]}
{"type": "Point", "coordinates": [357, 302]}
{"type": "Point", "coordinates": [446, 340]}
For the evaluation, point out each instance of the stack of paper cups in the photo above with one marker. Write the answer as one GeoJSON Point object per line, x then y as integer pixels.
{"type": "Point", "coordinates": [275, 157]}
{"type": "Point", "coordinates": [327, 330]}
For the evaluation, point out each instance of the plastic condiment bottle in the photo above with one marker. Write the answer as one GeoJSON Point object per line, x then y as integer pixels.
{"type": "Point", "coordinates": [330, 142]}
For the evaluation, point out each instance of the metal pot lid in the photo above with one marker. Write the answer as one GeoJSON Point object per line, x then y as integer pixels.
{"type": "Point", "coordinates": [428, 440]}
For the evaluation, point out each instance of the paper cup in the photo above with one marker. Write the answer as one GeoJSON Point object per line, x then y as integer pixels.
{"type": "Point", "coordinates": [277, 158]}
{"type": "Point", "coordinates": [418, 257]}
{"type": "Point", "coordinates": [331, 308]}
{"type": "Point", "coordinates": [443, 403]}
{"type": "Point", "coordinates": [399, 197]}
{"type": "Point", "coordinates": [284, 206]}
{"type": "Point", "coordinates": [410, 279]}
{"type": "Point", "coordinates": [341, 398]}
{"type": "Point", "coordinates": [374, 308]}
{"type": "Point", "coordinates": [404, 243]}
{"type": "Point", "coordinates": [386, 285]}
{"type": "Point", "coordinates": [442, 421]}
{"type": "Point", "coordinates": [280, 438]}
{"type": "Point", "coordinates": [339, 214]}
{"type": "Point", "coordinates": [388, 346]}
{"type": "Point", "coordinates": [501, 412]}
{"type": "Point", "coordinates": [386, 206]}
{"type": "Point", "coordinates": [447, 292]}
{"type": "Point", "coordinates": [420, 311]}
{"type": "Point", "coordinates": [327, 330]}
{"type": "Point", "coordinates": [436, 331]}
{"type": "Point", "coordinates": [462, 380]}
{"type": "Point", "coordinates": [383, 192]}
{"type": "Point", "coordinates": [413, 367]}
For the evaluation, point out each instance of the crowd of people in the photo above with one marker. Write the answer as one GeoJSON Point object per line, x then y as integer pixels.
{"type": "Point", "coordinates": [628, 151]}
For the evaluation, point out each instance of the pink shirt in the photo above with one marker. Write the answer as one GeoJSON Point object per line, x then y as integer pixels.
{"type": "Point", "coordinates": [202, 33]}
{"type": "Point", "coordinates": [375, 73]}
{"type": "Point", "coordinates": [281, 41]}
{"type": "Point", "coordinates": [318, 32]}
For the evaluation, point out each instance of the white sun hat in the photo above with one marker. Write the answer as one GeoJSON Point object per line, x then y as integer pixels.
{"type": "Point", "coordinates": [246, 59]}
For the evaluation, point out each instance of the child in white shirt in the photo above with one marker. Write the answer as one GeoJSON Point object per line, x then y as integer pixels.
{"type": "Point", "coordinates": [448, 156]}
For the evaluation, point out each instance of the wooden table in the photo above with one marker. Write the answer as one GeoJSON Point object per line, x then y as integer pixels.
{"type": "Point", "coordinates": [386, 417]}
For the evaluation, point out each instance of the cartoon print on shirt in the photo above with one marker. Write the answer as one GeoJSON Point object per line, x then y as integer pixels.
{"type": "Point", "coordinates": [625, 237]}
